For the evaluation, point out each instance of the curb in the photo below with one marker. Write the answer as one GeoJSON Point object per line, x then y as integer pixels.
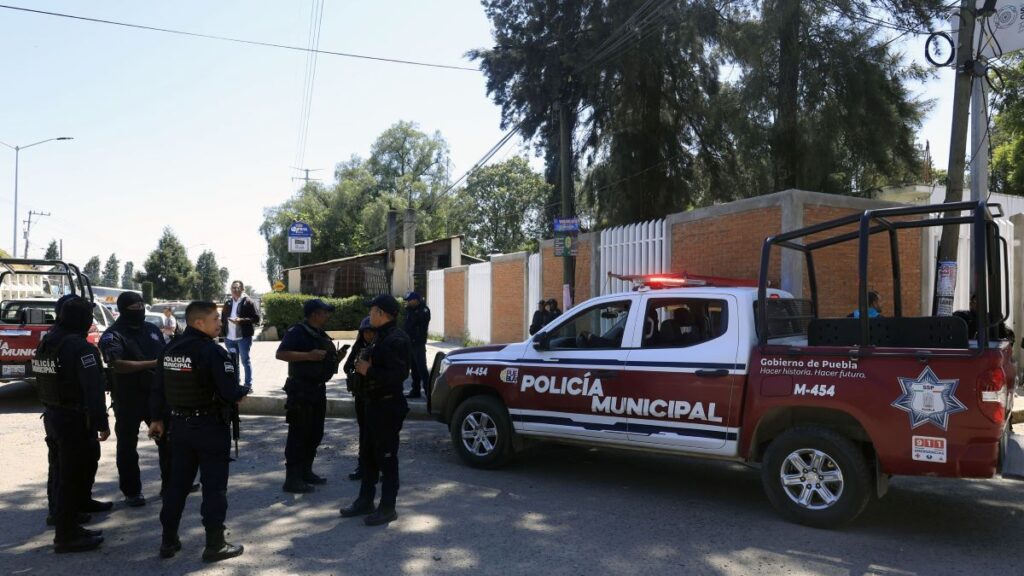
{"type": "Point", "coordinates": [336, 407]}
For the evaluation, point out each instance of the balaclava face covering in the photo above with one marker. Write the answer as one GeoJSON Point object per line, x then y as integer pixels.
{"type": "Point", "coordinates": [76, 316]}
{"type": "Point", "coordinates": [133, 318]}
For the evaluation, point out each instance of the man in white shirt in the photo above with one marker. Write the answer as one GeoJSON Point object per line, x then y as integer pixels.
{"type": "Point", "coordinates": [239, 318]}
{"type": "Point", "coordinates": [169, 326]}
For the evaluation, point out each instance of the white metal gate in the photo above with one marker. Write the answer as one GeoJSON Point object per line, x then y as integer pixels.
{"type": "Point", "coordinates": [632, 249]}
{"type": "Point", "coordinates": [478, 306]}
{"type": "Point", "coordinates": [435, 300]}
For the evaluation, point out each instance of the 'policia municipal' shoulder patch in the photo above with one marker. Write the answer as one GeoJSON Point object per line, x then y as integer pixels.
{"type": "Point", "coordinates": [229, 368]}
{"type": "Point", "coordinates": [88, 361]}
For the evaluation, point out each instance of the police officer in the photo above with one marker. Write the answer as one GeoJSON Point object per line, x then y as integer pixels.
{"type": "Point", "coordinates": [384, 372]}
{"type": "Point", "coordinates": [312, 361]}
{"type": "Point", "coordinates": [354, 381]}
{"type": "Point", "coordinates": [417, 323]}
{"type": "Point", "coordinates": [131, 347]}
{"type": "Point", "coordinates": [197, 383]}
{"type": "Point", "coordinates": [89, 504]}
{"type": "Point", "coordinates": [70, 383]}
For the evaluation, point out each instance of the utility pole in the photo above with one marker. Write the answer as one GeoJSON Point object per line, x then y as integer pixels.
{"type": "Point", "coordinates": [568, 209]}
{"type": "Point", "coordinates": [965, 70]}
{"type": "Point", "coordinates": [391, 235]}
{"type": "Point", "coordinates": [305, 178]}
{"type": "Point", "coordinates": [409, 242]}
{"type": "Point", "coordinates": [28, 228]}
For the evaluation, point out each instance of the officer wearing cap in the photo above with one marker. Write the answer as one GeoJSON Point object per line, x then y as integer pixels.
{"type": "Point", "coordinates": [355, 383]}
{"type": "Point", "coordinates": [384, 373]}
{"type": "Point", "coordinates": [417, 323]}
{"type": "Point", "coordinates": [197, 382]}
{"type": "Point", "coordinates": [131, 347]}
{"type": "Point", "coordinates": [312, 361]}
{"type": "Point", "coordinates": [69, 380]}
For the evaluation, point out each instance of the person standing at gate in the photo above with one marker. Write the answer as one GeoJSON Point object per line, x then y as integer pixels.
{"type": "Point", "coordinates": [540, 317]}
{"type": "Point", "coordinates": [131, 347]}
{"type": "Point", "coordinates": [356, 385]}
{"type": "Point", "coordinates": [384, 370]}
{"type": "Point", "coordinates": [312, 361]}
{"type": "Point", "coordinates": [417, 324]}
{"type": "Point", "coordinates": [239, 319]}
{"type": "Point", "coordinates": [197, 385]}
{"type": "Point", "coordinates": [69, 379]}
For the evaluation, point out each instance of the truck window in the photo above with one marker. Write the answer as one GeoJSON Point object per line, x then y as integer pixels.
{"type": "Point", "coordinates": [599, 327]}
{"type": "Point", "coordinates": [787, 317]}
{"type": "Point", "coordinates": [683, 322]}
{"type": "Point", "coordinates": [12, 311]}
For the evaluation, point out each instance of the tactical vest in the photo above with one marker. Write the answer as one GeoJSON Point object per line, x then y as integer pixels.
{"type": "Point", "coordinates": [54, 383]}
{"type": "Point", "coordinates": [184, 388]}
{"type": "Point", "coordinates": [323, 370]}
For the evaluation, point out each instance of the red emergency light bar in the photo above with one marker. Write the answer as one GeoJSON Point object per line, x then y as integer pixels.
{"type": "Point", "coordinates": [681, 280]}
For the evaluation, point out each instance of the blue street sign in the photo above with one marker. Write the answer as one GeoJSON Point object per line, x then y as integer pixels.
{"type": "Point", "coordinates": [300, 230]}
{"type": "Point", "coordinates": [567, 224]}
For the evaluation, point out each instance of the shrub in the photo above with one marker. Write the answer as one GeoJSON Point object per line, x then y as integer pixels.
{"type": "Point", "coordinates": [282, 310]}
{"type": "Point", "coordinates": [147, 292]}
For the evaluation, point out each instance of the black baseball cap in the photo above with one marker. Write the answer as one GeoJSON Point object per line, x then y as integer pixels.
{"type": "Point", "coordinates": [316, 304]}
{"type": "Point", "coordinates": [386, 303]}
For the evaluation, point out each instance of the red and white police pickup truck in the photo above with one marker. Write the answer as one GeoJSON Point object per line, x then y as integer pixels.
{"type": "Point", "coordinates": [829, 408]}
{"type": "Point", "coordinates": [24, 321]}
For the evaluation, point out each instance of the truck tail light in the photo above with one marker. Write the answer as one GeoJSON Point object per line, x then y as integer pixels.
{"type": "Point", "coordinates": [993, 394]}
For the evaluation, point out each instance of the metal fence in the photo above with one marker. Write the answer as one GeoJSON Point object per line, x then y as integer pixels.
{"type": "Point", "coordinates": [478, 305]}
{"type": "Point", "coordinates": [632, 249]}
{"type": "Point", "coordinates": [435, 300]}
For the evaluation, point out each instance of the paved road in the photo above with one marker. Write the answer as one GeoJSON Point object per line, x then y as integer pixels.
{"type": "Point", "coordinates": [556, 510]}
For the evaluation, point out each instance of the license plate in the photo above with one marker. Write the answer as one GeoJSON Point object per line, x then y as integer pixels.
{"type": "Point", "coordinates": [13, 371]}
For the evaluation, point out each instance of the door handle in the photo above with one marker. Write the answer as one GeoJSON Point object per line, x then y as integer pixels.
{"type": "Point", "coordinates": [713, 373]}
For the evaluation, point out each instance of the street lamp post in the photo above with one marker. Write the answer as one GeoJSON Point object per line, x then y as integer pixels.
{"type": "Point", "coordinates": [17, 156]}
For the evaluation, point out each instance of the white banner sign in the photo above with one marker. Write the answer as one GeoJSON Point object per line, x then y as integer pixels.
{"type": "Point", "coordinates": [1003, 32]}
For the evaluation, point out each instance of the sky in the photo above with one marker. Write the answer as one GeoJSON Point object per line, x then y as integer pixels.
{"type": "Point", "coordinates": [201, 135]}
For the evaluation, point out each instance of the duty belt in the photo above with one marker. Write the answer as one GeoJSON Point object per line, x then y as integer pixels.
{"type": "Point", "coordinates": [192, 413]}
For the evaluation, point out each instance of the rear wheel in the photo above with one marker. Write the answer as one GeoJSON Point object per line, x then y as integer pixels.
{"type": "Point", "coordinates": [481, 432]}
{"type": "Point", "coordinates": [816, 477]}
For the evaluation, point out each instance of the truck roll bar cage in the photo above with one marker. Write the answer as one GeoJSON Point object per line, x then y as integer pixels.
{"type": "Point", "coordinates": [48, 268]}
{"type": "Point", "coordinates": [988, 279]}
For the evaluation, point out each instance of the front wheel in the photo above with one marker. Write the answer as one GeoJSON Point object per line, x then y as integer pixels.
{"type": "Point", "coordinates": [816, 477]}
{"type": "Point", "coordinates": [481, 432]}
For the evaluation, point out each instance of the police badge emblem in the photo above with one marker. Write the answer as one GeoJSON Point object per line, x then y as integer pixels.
{"type": "Point", "coordinates": [928, 399]}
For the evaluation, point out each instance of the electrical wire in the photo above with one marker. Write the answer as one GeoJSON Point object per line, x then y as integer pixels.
{"type": "Point", "coordinates": [237, 40]}
{"type": "Point", "coordinates": [313, 57]}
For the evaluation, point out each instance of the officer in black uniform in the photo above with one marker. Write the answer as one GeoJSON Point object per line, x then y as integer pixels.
{"type": "Point", "coordinates": [417, 324]}
{"type": "Point", "coordinates": [384, 372]}
{"type": "Point", "coordinates": [89, 504]}
{"type": "Point", "coordinates": [354, 382]}
{"type": "Point", "coordinates": [197, 384]}
{"type": "Point", "coordinates": [312, 361]}
{"type": "Point", "coordinates": [131, 347]}
{"type": "Point", "coordinates": [69, 379]}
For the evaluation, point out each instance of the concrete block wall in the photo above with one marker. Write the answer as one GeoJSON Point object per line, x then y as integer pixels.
{"type": "Point", "coordinates": [455, 303]}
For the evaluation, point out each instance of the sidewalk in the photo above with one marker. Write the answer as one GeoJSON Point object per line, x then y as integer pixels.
{"type": "Point", "coordinates": [269, 375]}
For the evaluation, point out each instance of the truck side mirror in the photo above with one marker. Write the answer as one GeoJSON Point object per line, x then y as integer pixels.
{"type": "Point", "coordinates": [540, 341]}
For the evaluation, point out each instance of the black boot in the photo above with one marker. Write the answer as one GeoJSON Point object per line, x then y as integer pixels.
{"type": "Point", "coordinates": [383, 515]}
{"type": "Point", "coordinates": [217, 549]}
{"type": "Point", "coordinates": [294, 483]}
{"type": "Point", "coordinates": [76, 542]}
{"type": "Point", "coordinates": [169, 546]}
{"type": "Point", "coordinates": [96, 506]}
{"type": "Point", "coordinates": [310, 477]}
{"type": "Point", "coordinates": [86, 532]}
{"type": "Point", "coordinates": [82, 519]}
{"type": "Point", "coordinates": [361, 507]}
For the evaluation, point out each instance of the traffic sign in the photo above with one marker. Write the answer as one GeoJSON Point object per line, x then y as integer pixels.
{"type": "Point", "coordinates": [279, 286]}
{"type": "Point", "coordinates": [299, 245]}
{"type": "Point", "coordinates": [567, 224]}
{"type": "Point", "coordinates": [300, 230]}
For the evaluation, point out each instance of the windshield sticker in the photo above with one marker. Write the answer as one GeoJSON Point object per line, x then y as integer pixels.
{"type": "Point", "coordinates": [928, 399]}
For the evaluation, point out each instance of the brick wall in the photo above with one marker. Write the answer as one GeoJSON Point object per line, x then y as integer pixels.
{"type": "Point", "coordinates": [836, 268]}
{"type": "Point", "coordinates": [584, 255]}
{"type": "Point", "coordinates": [508, 294]}
{"type": "Point", "coordinates": [454, 303]}
{"type": "Point", "coordinates": [728, 245]}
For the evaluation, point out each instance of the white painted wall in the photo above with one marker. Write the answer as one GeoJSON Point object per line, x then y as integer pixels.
{"type": "Point", "coordinates": [435, 301]}
{"type": "Point", "coordinates": [478, 306]}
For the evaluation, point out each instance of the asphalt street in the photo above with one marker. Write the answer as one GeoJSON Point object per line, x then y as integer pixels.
{"type": "Point", "coordinates": [556, 510]}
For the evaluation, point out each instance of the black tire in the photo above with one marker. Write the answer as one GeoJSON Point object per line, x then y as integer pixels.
{"type": "Point", "coordinates": [488, 418]}
{"type": "Point", "coordinates": [835, 498]}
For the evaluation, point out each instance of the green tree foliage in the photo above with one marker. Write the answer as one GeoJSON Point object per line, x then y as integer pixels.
{"type": "Point", "coordinates": [1008, 131]}
{"type": "Point", "coordinates": [169, 268]}
{"type": "Point", "coordinates": [111, 272]}
{"type": "Point", "coordinates": [508, 199]}
{"type": "Point", "coordinates": [52, 251]}
{"type": "Point", "coordinates": [678, 103]}
{"type": "Point", "coordinates": [210, 278]}
{"type": "Point", "coordinates": [349, 216]}
{"type": "Point", "coordinates": [128, 277]}
{"type": "Point", "coordinates": [92, 269]}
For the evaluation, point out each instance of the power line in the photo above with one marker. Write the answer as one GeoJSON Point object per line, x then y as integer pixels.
{"type": "Point", "coordinates": [311, 66]}
{"type": "Point", "coordinates": [238, 40]}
